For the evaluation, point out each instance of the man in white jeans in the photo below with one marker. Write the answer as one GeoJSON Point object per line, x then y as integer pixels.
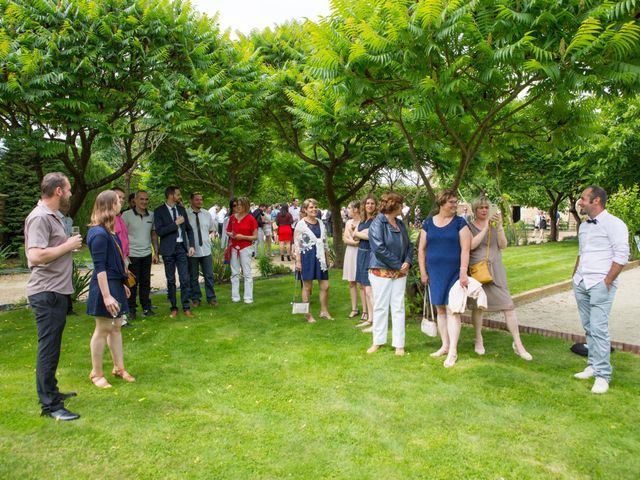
{"type": "Point", "coordinates": [603, 251]}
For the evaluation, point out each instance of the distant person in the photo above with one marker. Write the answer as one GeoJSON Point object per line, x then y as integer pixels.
{"type": "Point", "coordinates": [121, 226]}
{"type": "Point", "coordinates": [391, 254]}
{"type": "Point", "coordinates": [284, 220]}
{"type": "Point", "coordinates": [312, 260]}
{"type": "Point", "coordinates": [294, 210]}
{"type": "Point", "coordinates": [107, 300]}
{"type": "Point", "coordinates": [223, 213]}
{"type": "Point", "coordinates": [201, 261]}
{"type": "Point", "coordinates": [48, 249]}
{"type": "Point", "coordinates": [267, 228]}
{"type": "Point", "coordinates": [443, 255]}
{"type": "Point", "coordinates": [242, 230]}
{"type": "Point", "coordinates": [176, 246]}
{"type": "Point", "coordinates": [603, 251]}
{"type": "Point", "coordinates": [143, 252]}
{"type": "Point", "coordinates": [488, 241]}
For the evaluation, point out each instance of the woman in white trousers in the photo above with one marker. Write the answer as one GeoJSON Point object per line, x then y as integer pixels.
{"type": "Point", "coordinates": [242, 230]}
{"type": "Point", "coordinates": [391, 252]}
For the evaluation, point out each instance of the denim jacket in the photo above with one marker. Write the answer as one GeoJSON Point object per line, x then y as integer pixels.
{"type": "Point", "coordinates": [390, 248]}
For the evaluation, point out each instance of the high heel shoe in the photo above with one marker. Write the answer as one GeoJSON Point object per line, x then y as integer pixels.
{"type": "Point", "coordinates": [310, 318]}
{"type": "Point", "coordinates": [326, 316]}
{"type": "Point", "coordinates": [439, 353]}
{"type": "Point", "coordinates": [450, 361]}
{"type": "Point", "coordinates": [354, 313]}
{"type": "Point", "coordinates": [525, 356]}
{"type": "Point", "coordinates": [99, 381]}
{"type": "Point", "coordinates": [479, 350]}
{"type": "Point", "coordinates": [123, 374]}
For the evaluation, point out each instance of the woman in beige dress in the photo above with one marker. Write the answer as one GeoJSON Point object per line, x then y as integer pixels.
{"type": "Point", "coordinates": [490, 230]}
{"type": "Point", "coordinates": [351, 257]}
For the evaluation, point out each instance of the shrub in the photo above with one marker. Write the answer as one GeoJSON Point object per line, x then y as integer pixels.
{"type": "Point", "coordinates": [625, 204]}
{"type": "Point", "coordinates": [265, 264]}
{"type": "Point", "coordinates": [80, 281]}
{"type": "Point", "coordinates": [221, 271]}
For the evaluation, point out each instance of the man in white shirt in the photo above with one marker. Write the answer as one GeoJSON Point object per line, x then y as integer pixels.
{"type": "Point", "coordinates": [214, 216]}
{"type": "Point", "coordinates": [603, 251]}
{"type": "Point", "coordinates": [294, 210]}
{"type": "Point", "coordinates": [203, 225]}
{"type": "Point", "coordinates": [222, 214]}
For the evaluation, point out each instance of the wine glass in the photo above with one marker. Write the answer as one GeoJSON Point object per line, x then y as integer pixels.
{"type": "Point", "coordinates": [75, 230]}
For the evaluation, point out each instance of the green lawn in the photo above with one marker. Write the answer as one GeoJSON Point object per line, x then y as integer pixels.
{"type": "Point", "coordinates": [254, 392]}
{"type": "Point", "coordinates": [534, 266]}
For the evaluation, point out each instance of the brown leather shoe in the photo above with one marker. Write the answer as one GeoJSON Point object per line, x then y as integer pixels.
{"type": "Point", "coordinates": [195, 303]}
{"type": "Point", "coordinates": [187, 313]}
{"type": "Point", "coordinates": [173, 314]}
{"type": "Point", "coordinates": [213, 303]}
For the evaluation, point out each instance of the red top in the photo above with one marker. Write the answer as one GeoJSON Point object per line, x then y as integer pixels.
{"type": "Point", "coordinates": [246, 226]}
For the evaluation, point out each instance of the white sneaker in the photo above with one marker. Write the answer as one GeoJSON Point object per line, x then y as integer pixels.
{"type": "Point", "coordinates": [586, 373]}
{"type": "Point", "coordinates": [600, 386]}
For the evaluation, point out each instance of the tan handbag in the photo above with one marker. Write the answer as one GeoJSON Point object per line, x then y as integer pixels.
{"type": "Point", "coordinates": [480, 271]}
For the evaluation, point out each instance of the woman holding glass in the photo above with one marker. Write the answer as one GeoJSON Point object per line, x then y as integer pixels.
{"type": "Point", "coordinates": [349, 265]}
{"type": "Point", "coordinates": [108, 293]}
{"type": "Point", "coordinates": [488, 242]}
{"type": "Point", "coordinates": [368, 211]}
{"type": "Point", "coordinates": [443, 255]}
{"type": "Point", "coordinates": [242, 230]}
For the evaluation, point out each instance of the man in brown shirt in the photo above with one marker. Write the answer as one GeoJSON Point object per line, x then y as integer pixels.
{"type": "Point", "coordinates": [48, 251]}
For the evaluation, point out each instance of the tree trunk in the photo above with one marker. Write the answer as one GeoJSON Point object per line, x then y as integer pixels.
{"type": "Point", "coordinates": [574, 213]}
{"type": "Point", "coordinates": [338, 244]}
{"type": "Point", "coordinates": [77, 198]}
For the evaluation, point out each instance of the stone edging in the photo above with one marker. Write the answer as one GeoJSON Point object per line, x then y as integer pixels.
{"type": "Point", "coordinates": [538, 293]}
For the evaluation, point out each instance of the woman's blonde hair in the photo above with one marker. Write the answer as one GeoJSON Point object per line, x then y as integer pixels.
{"type": "Point", "coordinates": [390, 201]}
{"type": "Point", "coordinates": [478, 201]}
{"type": "Point", "coordinates": [244, 203]}
{"type": "Point", "coordinates": [307, 202]}
{"type": "Point", "coordinates": [104, 210]}
{"type": "Point", "coordinates": [363, 207]}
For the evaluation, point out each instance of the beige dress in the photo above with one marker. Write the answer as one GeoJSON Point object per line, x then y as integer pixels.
{"type": "Point", "coordinates": [350, 257]}
{"type": "Point", "coordinates": [498, 296]}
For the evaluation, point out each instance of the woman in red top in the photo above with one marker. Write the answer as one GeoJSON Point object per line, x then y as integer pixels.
{"type": "Point", "coordinates": [242, 230]}
{"type": "Point", "coordinates": [285, 232]}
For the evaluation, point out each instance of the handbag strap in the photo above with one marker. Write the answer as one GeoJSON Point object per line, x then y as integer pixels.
{"type": "Point", "coordinates": [488, 242]}
{"type": "Point", "coordinates": [427, 291]}
{"type": "Point", "coordinates": [295, 286]}
{"type": "Point", "coordinates": [124, 264]}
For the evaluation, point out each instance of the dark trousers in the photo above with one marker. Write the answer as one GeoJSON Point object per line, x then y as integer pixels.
{"type": "Point", "coordinates": [178, 260]}
{"type": "Point", "coordinates": [50, 309]}
{"type": "Point", "coordinates": [141, 268]}
{"type": "Point", "coordinates": [196, 264]}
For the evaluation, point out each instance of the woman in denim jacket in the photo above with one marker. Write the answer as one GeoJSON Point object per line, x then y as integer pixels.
{"type": "Point", "coordinates": [391, 252]}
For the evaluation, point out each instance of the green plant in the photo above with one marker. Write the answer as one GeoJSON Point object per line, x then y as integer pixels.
{"type": "Point", "coordinates": [6, 252]}
{"type": "Point", "coordinates": [221, 271]}
{"type": "Point", "coordinates": [23, 257]}
{"type": "Point", "coordinates": [280, 270]}
{"type": "Point", "coordinates": [625, 204]}
{"type": "Point", "coordinates": [80, 281]}
{"type": "Point", "coordinates": [265, 264]}
{"type": "Point", "coordinates": [517, 234]}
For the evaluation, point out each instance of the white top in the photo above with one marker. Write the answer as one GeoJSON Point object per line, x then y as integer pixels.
{"type": "Point", "coordinates": [207, 226]}
{"type": "Point", "coordinates": [222, 214]}
{"type": "Point", "coordinates": [601, 244]}
{"type": "Point", "coordinates": [179, 239]}
{"type": "Point", "coordinates": [295, 213]}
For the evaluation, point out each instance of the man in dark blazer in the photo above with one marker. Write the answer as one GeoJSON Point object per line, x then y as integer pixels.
{"type": "Point", "coordinates": [176, 244]}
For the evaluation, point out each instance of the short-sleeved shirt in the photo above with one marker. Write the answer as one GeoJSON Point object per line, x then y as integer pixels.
{"type": "Point", "coordinates": [44, 229]}
{"type": "Point", "coordinates": [139, 227]}
{"type": "Point", "coordinates": [246, 226]}
{"type": "Point", "coordinates": [206, 227]}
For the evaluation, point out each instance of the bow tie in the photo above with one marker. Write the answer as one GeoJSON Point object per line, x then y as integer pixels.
{"type": "Point", "coordinates": [594, 221]}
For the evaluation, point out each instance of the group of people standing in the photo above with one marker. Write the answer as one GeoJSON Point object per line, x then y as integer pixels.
{"type": "Point", "coordinates": [377, 260]}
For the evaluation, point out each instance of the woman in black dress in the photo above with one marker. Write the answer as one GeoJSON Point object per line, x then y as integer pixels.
{"type": "Point", "coordinates": [107, 291]}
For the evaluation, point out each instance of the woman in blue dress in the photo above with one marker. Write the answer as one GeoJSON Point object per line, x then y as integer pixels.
{"type": "Point", "coordinates": [443, 255]}
{"type": "Point", "coordinates": [108, 293]}
{"type": "Point", "coordinates": [369, 207]}
{"type": "Point", "coordinates": [312, 256]}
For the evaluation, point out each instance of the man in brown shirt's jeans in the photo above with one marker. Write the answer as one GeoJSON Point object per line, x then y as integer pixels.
{"type": "Point", "coordinates": [48, 251]}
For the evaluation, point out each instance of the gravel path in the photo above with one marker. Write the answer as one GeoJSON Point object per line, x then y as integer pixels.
{"type": "Point", "coordinates": [559, 312]}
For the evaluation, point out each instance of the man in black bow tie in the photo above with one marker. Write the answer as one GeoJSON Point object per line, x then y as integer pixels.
{"type": "Point", "coordinates": [603, 251]}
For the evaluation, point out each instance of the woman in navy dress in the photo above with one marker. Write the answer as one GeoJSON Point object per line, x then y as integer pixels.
{"type": "Point", "coordinates": [443, 255]}
{"type": "Point", "coordinates": [312, 256]}
{"type": "Point", "coordinates": [107, 291]}
{"type": "Point", "coordinates": [369, 207]}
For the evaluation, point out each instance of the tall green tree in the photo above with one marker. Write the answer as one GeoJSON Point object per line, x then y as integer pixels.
{"type": "Point", "coordinates": [461, 73]}
{"type": "Point", "coordinates": [75, 72]}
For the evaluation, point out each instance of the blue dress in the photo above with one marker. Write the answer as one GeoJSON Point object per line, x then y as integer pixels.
{"type": "Point", "coordinates": [364, 255]}
{"type": "Point", "coordinates": [443, 257]}
{"type": "Point", "coordinates": [106, 258]}
{"type": "Point", "coordinates": [310, 264]}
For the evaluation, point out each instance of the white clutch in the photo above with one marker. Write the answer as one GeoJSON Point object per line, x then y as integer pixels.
{"type": "Point", "coordinates": [300, 307]}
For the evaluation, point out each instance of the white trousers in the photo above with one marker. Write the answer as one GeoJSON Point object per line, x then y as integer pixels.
{"type": "Point", "coordinates": [388, 292]}
{"type": "Point", "coordinates": [241, 267]}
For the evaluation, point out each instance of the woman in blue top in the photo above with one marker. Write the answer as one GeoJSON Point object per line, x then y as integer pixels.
{"type": "Point", "coordinates": [443, 255]}
{"type": "Point", "coordinates": [369, 211]}
{"type": "Point", "coordinates": [107, 292]}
